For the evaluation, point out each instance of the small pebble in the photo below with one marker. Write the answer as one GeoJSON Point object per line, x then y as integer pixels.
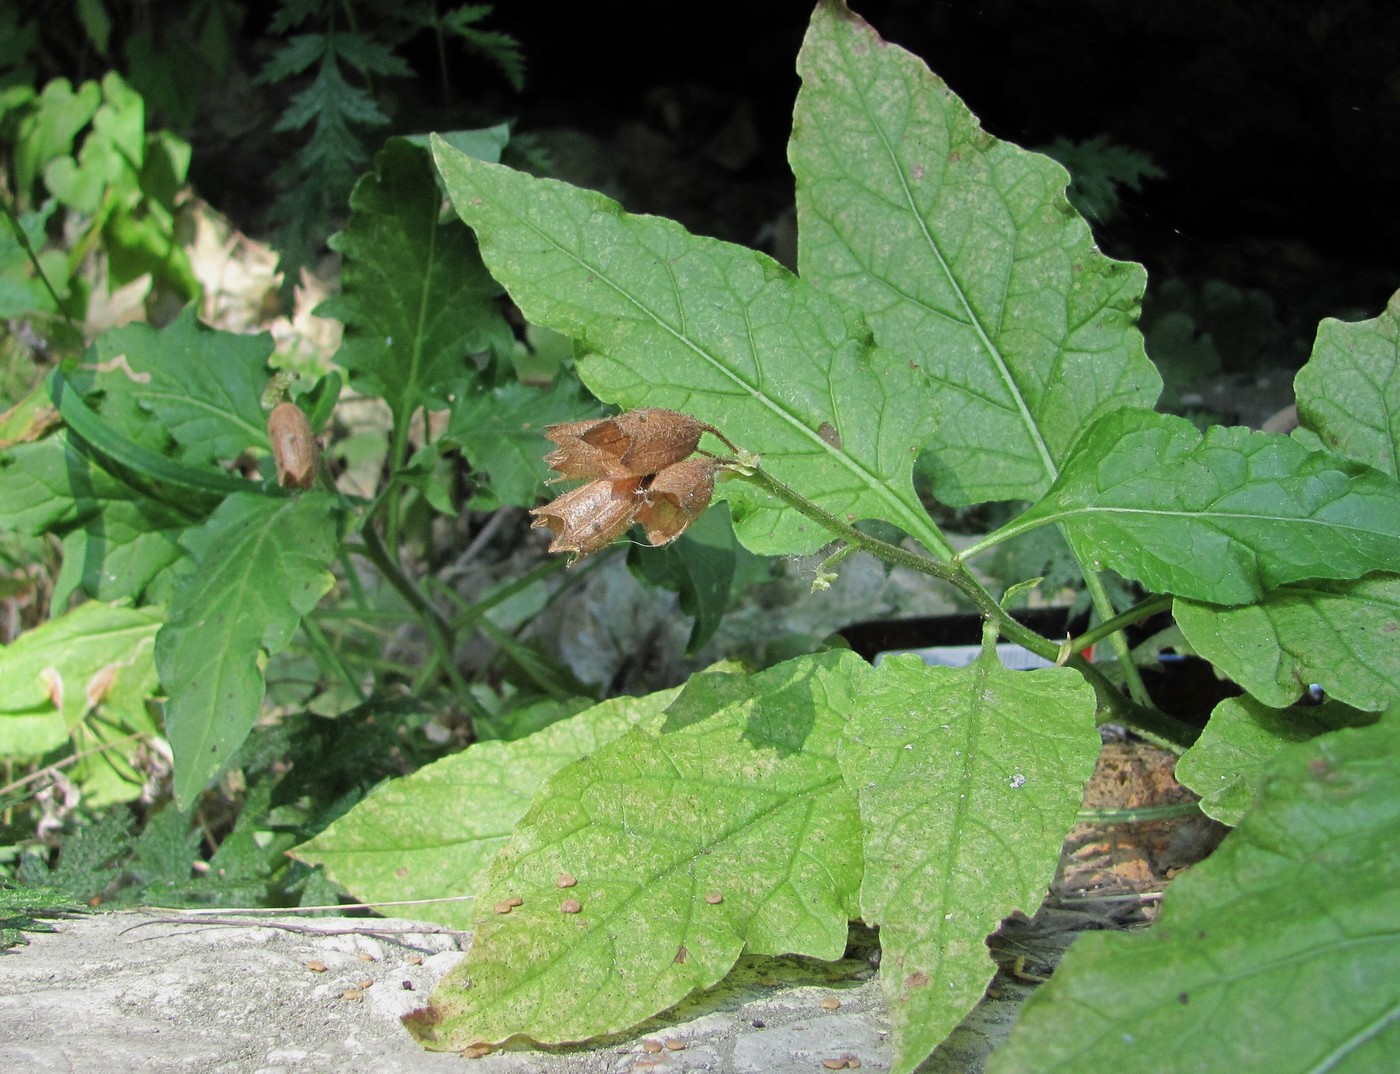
{"type": "Point", "coordinates": [352, 994]}
{"type": "Point", "coordinates": [406, 985]}
{"type": "Point", "coordinates": [675, 1044]}
{"type": "Point", "coordinates": [651, 1046]}
{"type": "Point", "coordinates": [316, 966]}
{"type": "Point", "coordinates": [831, 1003]}
{"type": "Point", "coordinates": [365, 956]}
{"type": "Point", "coordinates": [415, 960]}
{"type": "Point", "coordinates": [834, 1064]}
{"type": "Point", "coordinates": [570, 906]}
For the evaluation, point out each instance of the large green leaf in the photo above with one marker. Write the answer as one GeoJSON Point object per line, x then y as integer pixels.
{"type": "Point", "coordinates": [201, 387]}
{"type": "Point", "coordinates": [1277, 953]}
{"type": "Point", "coordinates": [965, 258]}
{"type": "Point", "coordinates": [1349, 392]}
{"type": "Point", "coordinates": [1228, 763]}
{"type": "Point", "coordinates": [116, 542]}
{"type": "Point", "coordinates": [968, 779]}
{"type": "Point", "coordinates": [665, 318]}
{"type": "Point", "coordinates": [731, 830]}
{"type": "Point", "coordinates": [416, 300]}
{"type": "Point", "coordinates": [1224, 518]}
{"type": "Point", "coordinates": [1344, 636]}
{"type": "Point", "coordinates": [53, 676]}
{"type": "Point", "coordinates": [451, 818]}
{"type": "Point", "coordinates": [259, 566]}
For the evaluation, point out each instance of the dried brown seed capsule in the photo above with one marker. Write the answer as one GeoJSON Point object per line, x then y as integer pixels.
{"type": "Point", "coordinates": [294, 446]}
{"type": "Point", "coordinates": [675, 498]}
{"type": "Point", "coordinates": [570, 906]}
{"type": "Point", "coordinates": [632, 444]}
{"type": "Point", "coordinates": [591, 516]}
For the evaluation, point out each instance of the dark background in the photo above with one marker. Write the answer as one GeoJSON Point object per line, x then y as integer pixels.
{"type": "Point", "coordinates": [1277, 125]}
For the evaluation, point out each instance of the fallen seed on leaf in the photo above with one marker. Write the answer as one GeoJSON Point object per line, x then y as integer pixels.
{"type": "Point", "coordinates": [834, 1064]}
{"type": "Point", "coordinates": [852, 1063]}
{"type": "Point", "coordinates": [566, 880]}
{"type": "Point", "coordinates": [831, 1003]}
{"type": "Point", "coordinates": [714, 898]}
{"type": "Point", "coordinates": [651, 1046]}
{"type": "Point", "coordinates": [675, 1044]}
{"type": "Point", "coordinates": [681, 953]}
{"type": "Point", "coordinates": [476, 1051]}
{"type": "Point", "coordinates": [570, 906]}
{"type": "Point", "coordinates": [503, 907]}
{"type": "Point", "coordinates": [515, 900]}
{"type": "Point", "coordinates": [316, 966]}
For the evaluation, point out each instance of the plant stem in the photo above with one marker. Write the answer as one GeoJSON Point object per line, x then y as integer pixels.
{"type": "Point", "coordinates": [1093, 581]}
{"type": "Point", "coordinates": [329, 657]}
{"type": "Point", "coordinates": [1113, 707]}
{"type": "Point", "coordinates": [1142, 610]}
{"type": "Point", "coordinates": [439, 630]}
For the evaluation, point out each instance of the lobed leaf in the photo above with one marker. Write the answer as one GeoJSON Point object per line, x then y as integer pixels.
{"type": "Point", "coordinates": [436, 832]}
{"type": "Point", "coordinates": [1227, 764]}
{"type": "Point", "coordinates": [965, 258]}
{"type": "Point", "coordinates": [968, 779]}
{"type": "Point", "coordinates": [259, 565]}
{"type": "Point", "coordinates": [202, 388]}
{"type": "Point", "coordinates": [664, 318]}
{"type": "Point", "coordinates": [731, 830]}
{"type": "Point", "coordinates": [1277, 953]}
{"type": "Point", "coordinates": [1224, 518]}
{"type": "Point", "coordinates": [1349, 391]}
{"type": "Point", "coordinates": [1343, 636]}
{"type": "Point", "coordinates": [416, 299]}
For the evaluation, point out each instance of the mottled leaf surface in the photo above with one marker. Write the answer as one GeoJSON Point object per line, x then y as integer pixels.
{"type": "Point", "coordinates": [1277, 953]}
{"type": "Point", "coordinates": [1343, 636]}
{"type": "Point", "coordinates": [965, 258]}
{"type": "Point", "coordinates": [1349, 392]}
{"type": "Point", "coordinates": [260, 564]}
{"type": "Point", "coordinates": [733, 830]}
{"type": "Point", "coordinates": [1222, 518]}
{"type": "Point", "coordinates": [1226, 765]}
{"type": "Point", "coordinates": [435, 832]}
{"type": "Point", "coordinates": [661, 317]}
{"type": "Point", "coordinates": [968, 779]}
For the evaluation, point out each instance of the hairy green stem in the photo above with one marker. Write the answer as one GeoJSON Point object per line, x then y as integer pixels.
{"type": "Point", "coordinates": [1142, 610]}
{"type": "Point", "coordinates": [1093, 581]}
{"type": "Point", "coordinates": [1113, 707]}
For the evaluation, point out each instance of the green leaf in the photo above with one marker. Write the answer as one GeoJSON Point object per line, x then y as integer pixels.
{"type": "Point", "coordinates": [967, 261]}
{"type": "Point", "coordinates": [968, 779]}
{"type": "Point", "coordinates": [732, 831]}
{"type": "Point", "coordinates": [699, 568]}
{"type": "Point", "coordinates": [48, 131]}
{"type": "Point", "coordinates": [1277, 953]}
{"type": "Point", "coordinates": [116, 543]}
{"type": "Point", "coordinates": [202, 387]}
{"type": "Point", "coordinates": [416, 299]}
{"type": "Point", "coordinates": [1344, 636]}
{"type": "Point", "coordinates": [1227, 764]}
{"type": "Point", "coordinates": [1349, 392]}
{"type": "Point", "coordinates": [665, 318]}
{"type": "Point", "coordinates": [1224, 518]}
{"type": "Point", "coordinates": [53, 675]}
{"type": "Point", "coordinates": [500, 431]}
{"type": "Point", "coordinates": [259, 566]}
{"type": "Point", "coordinates": [451, 818]}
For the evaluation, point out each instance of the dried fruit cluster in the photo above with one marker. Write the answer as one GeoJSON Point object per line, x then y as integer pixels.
{"type": "Point", "coordinates": [638, 467]}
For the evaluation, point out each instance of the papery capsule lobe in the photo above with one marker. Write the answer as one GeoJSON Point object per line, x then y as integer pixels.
{"type": "Point", "coordinates": [632, 444]}
{"type": "Point", "coordinates": [294, 446]}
